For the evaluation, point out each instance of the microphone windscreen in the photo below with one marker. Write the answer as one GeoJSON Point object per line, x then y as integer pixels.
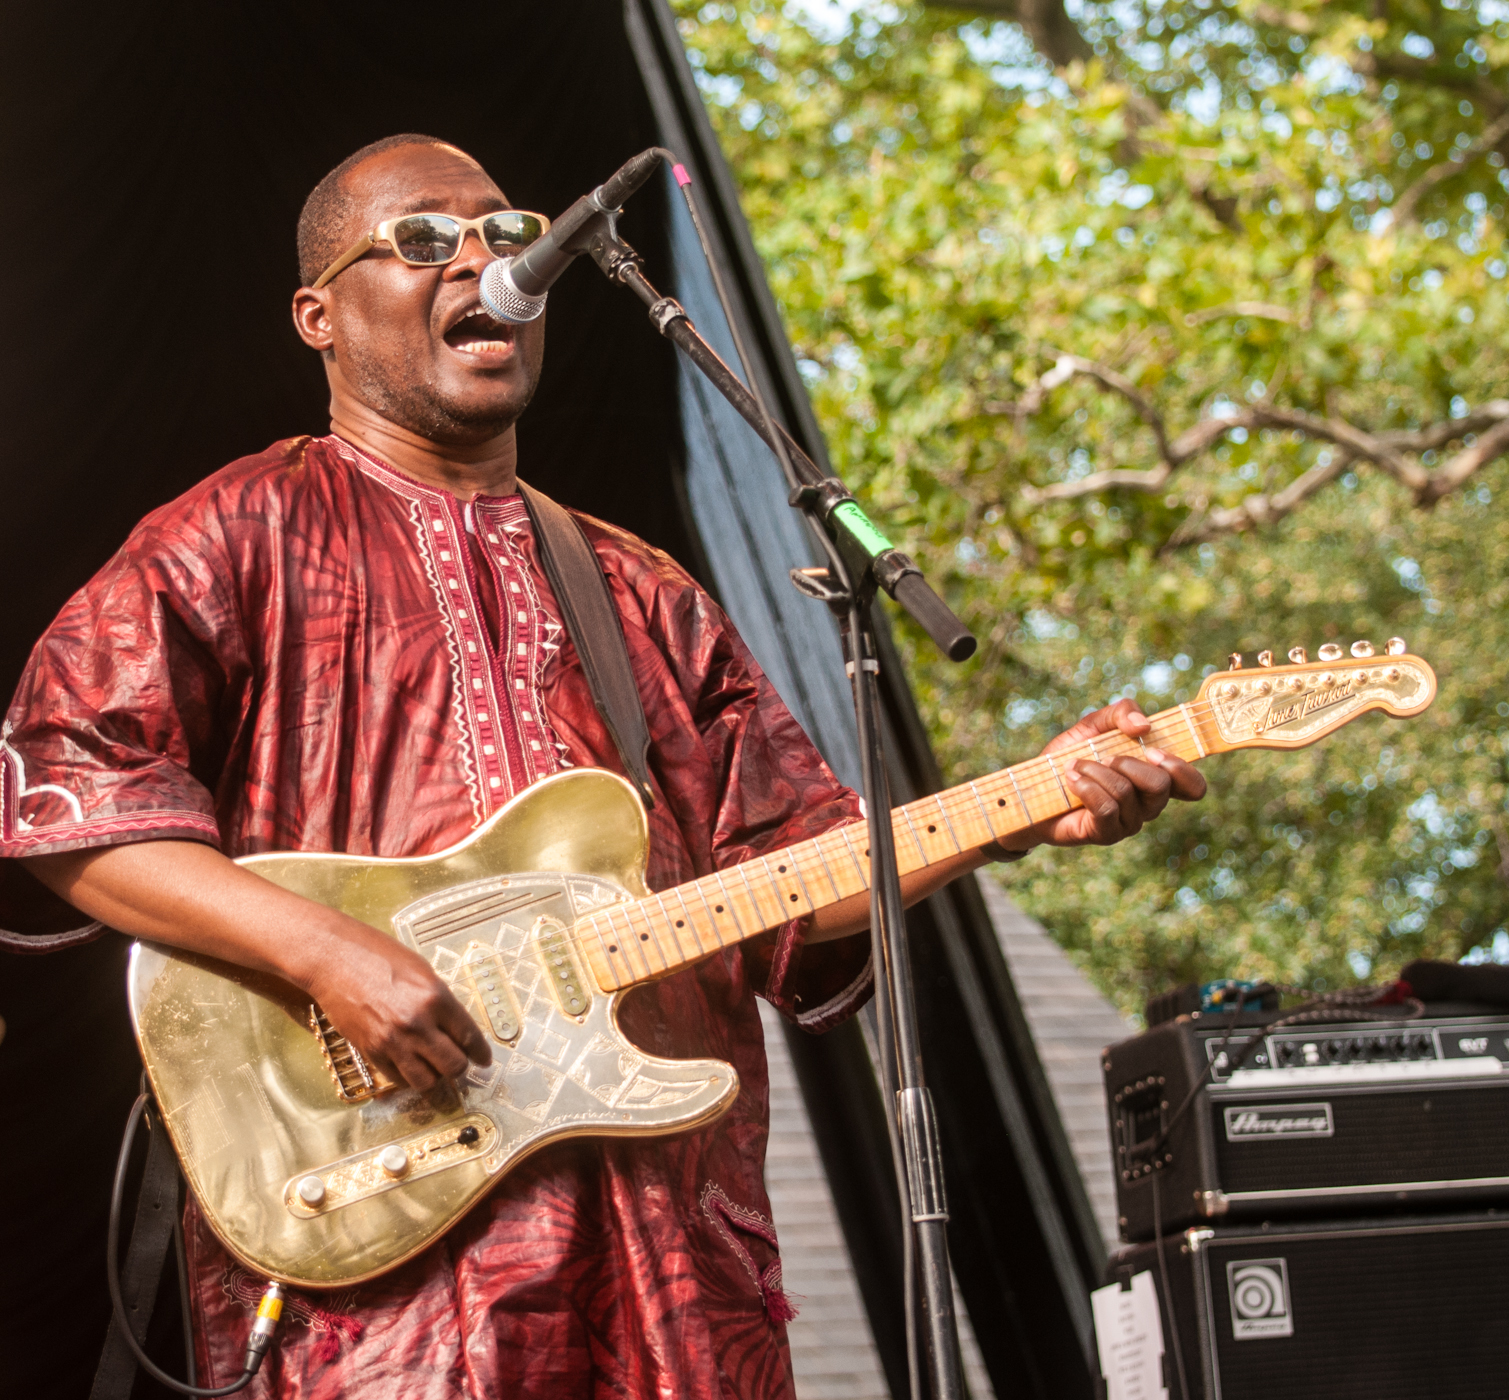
{"type": "Point", "coordinates": [502, 300]}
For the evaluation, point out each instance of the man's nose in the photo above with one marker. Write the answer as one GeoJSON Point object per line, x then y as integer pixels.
{"type": "Point", "coordinates": [469, 262]}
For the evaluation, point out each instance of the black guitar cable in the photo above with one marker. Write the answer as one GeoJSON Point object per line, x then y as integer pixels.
{"type": "Point", "coordinates": [268, 1311]}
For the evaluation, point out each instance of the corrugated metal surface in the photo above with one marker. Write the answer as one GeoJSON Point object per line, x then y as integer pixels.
{"type": "Point", "coordinates": [832, 1350]}
{"type": "Point", "coordinates": [1071, 1023]}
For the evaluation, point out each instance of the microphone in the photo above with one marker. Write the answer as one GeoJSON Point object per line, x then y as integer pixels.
{"type": "Point", "coordinates": [514, 289]}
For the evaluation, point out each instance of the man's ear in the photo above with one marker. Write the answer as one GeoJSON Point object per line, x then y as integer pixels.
{"type": "Point", "coordinates": [311, 318]}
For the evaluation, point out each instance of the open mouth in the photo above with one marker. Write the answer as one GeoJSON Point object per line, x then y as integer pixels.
{"type": "Point", "coordinates": [477, 333]}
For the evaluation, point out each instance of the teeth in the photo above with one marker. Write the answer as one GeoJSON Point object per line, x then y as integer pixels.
{"type": "Point", "coordinates": [479, 342]}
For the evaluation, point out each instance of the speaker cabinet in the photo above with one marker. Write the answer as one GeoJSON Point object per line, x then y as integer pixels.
{"type": "Point", "coordinates": [1402, 1308]}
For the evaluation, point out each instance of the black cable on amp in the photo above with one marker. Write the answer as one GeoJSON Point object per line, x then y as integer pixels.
{"type": "Point", "coordinates": [268, 1311]}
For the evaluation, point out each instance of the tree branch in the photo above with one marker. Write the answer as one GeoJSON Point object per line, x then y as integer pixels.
{"type": "Point", "coordinates": [1385, 450]}
{"type": "Point", "coordinates": [1289, 20]}
{"type": "Point", "coordinates": [1404, 207]}
{"type": "Point", "coordinates": [1452, 473]}
{"type": "Point", "coordinates": [1258, 508]}
{"type": "Point", "coordinates": [1260, 310]}
{"type": "Point", "coordinates": [1045, 22]}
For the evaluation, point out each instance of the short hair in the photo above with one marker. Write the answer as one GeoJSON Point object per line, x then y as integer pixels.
{"type": "Point", "coordinates": [329, 206]}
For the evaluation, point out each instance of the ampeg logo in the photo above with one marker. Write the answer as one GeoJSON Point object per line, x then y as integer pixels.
{"type": "Point", "coordinates": [1259, 1291]}
{"type": "Point", "coordinates": [1283, 1120]}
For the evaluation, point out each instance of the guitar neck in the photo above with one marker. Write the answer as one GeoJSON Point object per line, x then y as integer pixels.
{"type": "Point", "coordinates": [627, 944]}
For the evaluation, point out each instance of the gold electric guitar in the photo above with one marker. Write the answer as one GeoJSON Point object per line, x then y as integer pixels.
{"type": "Point", "coordinates": [315, 1171]}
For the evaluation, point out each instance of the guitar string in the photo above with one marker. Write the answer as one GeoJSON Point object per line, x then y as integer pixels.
{"type": "Point", "coordinates": [1035, 786]}
{"type": "Point", "coordinates": [1118, 745]}
{"type": "Point", "coordinates": [796, 856]}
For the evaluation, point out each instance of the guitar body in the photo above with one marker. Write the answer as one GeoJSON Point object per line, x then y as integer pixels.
{"type": "Point", "coordinates": [292, 1176]}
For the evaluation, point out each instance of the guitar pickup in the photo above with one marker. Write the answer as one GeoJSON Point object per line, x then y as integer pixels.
{"type": "Point", "coordinates": [494, 993]}
{"type": "Point", "coordinates": [355, 1079]}
{"type": "Point", "coordinates": [552, 945]}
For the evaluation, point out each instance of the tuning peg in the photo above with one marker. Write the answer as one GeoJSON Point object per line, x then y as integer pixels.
{"type": "Point", "coordinates": [1298, 655]}
{"type": "Point", "coordinates": [1234, 661]}
{"type": "Point", "coordinates": [1395, 646]}
{"type": "Point", "coordinates": [1362, 648]}
{"type": "Point", "coordinates": [1265, 658]}
{"type": "Point", "coordinates": [1330, 652]}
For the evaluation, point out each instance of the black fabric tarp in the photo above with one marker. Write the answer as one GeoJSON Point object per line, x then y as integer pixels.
{"type": "Point", "coordinates": [156, 156]}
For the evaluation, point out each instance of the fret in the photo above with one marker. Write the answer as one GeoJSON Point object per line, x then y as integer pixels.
{"type": "Point", "coordinates": [864, 878]}
{"type": "Point", "coordinates": [666, 915]}
{"type": "Point", "coordinates": [943, 812]}
{"type": "Point", "coordinates": [602, 973]}
{"type": "Point", "coordinates": [711, 917]}
{"type": "Point", "coordinates": [775, 884]}
{"type": "Point", "coordinates": [628, 977]}
{"type": "Point", "coordinates": [602, 943]}
{"type": "Point", "coordinates": [817, 845]}
{"type": "Point", "coordinates": [1069, 801]}
{"type": "Point", "coordinates": [744, 875]}
{"type": "Point", "coordinates": [717, 878]}
{"type": "Point", "coordinates": [984, 815]}
{"type": "Point", "coordinates": [1090, 740]}
{"type": "Point", "coordinates": [916, 839]}
{"type": "Point", "coordinates": [639, 940]}
{"type": "Point", "coordinates": [686, 922]}
{"type": "Point", "coordinates": [1011, 773]}
{"type": "Point", "coordinates": [1193, 733]}
{"type": "Point", "coordinates": [796, 869]}
{"type": "Point", "coordinates": [786, 913]}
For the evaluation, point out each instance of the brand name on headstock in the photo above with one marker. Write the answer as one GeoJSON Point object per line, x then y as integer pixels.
{"type": "Point", "coordinates": [1282, 711]}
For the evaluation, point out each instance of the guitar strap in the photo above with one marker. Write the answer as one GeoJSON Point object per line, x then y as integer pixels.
{"type": "Point", "coordinates": [581, 593]}
{"type": "Point", "coordinates": [157, 1207]}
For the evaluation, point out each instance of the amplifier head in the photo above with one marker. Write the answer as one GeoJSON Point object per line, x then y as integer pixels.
{"type": "Point", "coordinates": [1294, 1119]}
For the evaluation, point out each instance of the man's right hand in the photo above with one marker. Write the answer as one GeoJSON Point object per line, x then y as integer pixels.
{"type": "Point", "coordinates": [388, 1002]}
{"type": "Point", "coordinates": [384, 998]}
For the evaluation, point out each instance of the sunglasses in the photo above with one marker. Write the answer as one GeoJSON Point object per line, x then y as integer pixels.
{"type": "Point", "coordinates": [432, 240]}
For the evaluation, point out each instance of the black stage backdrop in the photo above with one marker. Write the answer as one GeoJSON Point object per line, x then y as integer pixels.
{"type": "Point", "coordinates": [156, 156]}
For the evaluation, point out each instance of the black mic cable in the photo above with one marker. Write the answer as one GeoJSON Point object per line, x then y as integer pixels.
{"type": "Point", "coordinates": [269, 1310]}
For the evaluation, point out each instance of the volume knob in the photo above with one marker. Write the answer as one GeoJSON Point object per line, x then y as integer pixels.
{"type": "Point", "coordinates": [393, 1160]}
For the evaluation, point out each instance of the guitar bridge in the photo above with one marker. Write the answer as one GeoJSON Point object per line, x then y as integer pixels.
{"type": "Point", "coordinates": [354, 1079]}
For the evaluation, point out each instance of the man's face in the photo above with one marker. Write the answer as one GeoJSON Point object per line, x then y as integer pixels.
{"type": "Point", "coordinates": [412, 343]}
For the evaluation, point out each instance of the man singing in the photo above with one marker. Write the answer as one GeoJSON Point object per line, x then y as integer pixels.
{"type": "Point", "coordinates": [348, 644]}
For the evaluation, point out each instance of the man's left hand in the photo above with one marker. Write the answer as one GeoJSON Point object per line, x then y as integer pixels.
{"type": "Point", "coordinates": [1119, 795]}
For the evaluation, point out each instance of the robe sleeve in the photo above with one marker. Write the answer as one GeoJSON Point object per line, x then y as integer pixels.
{"type": "Point", "coordinates": [773, 789]}
{"type": "Point", "coordinates": [111, 737]}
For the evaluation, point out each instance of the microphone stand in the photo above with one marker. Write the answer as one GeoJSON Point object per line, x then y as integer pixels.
{"type": "Point", "coordinates": [860, 560]}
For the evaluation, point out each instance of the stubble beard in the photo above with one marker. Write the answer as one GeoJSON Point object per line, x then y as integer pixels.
{"type": "Point", "coordinates": [407, 396]}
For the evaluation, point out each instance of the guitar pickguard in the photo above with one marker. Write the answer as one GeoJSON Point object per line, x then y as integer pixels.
{"type": "Point", "coordinates": [561, 1068]}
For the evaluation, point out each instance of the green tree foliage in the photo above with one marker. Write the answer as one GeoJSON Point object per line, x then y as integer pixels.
{"type": "Point", "coordinates": [1195, 344]}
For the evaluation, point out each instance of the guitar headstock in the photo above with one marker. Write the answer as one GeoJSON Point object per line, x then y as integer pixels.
{"type": "Point", "coordinates": [1287, 707]}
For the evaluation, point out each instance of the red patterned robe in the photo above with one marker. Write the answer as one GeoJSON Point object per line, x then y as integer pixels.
{"type": "Point", "coordinates": [310, 651]}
